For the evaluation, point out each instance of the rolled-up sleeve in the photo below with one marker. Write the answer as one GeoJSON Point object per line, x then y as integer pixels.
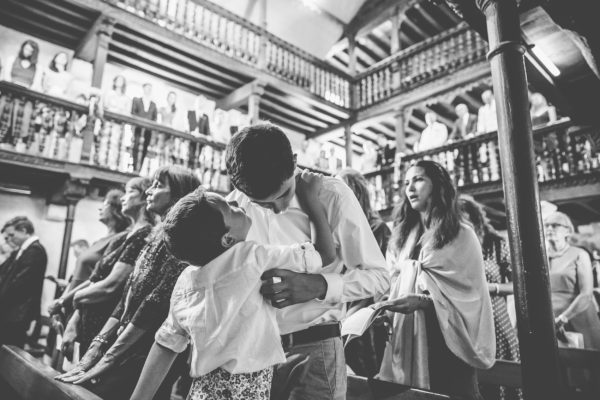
{"type": "Point", "coordinates": [300, 257]}
{"type": "Point", "coordinates": [366, 273]}
{"type": "Point", "coordinates": [171, 334]}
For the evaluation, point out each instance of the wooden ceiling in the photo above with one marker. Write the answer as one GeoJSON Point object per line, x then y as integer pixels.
{"type": "Point", "coordinates": [419, 21]}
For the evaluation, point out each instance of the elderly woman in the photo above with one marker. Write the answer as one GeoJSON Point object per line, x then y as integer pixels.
{"type": "Point", "coordinates": [443, 327]}
{"type": "Point", "coordinates": [96, 299]}
{"type": "Point", "coordinates": [571, 282]}
{"type": "Point", "coordinates": [113, 363]}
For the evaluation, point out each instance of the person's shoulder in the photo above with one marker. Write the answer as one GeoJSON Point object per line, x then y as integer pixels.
{"type": "Point", "coordinates": [580, 253]}
{"type": "Point", "coordinates": [335, 189]}
{"type": "Point", "coordinates": [466, 232]}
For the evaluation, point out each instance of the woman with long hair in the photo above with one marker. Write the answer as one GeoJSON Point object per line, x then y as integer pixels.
{"type": "Point", "coordinates": [56, 78]}
{"type": "Point", "coordinates": [496, 259]}
{"type": "Point", "coordinates": [22, 69]}
{"type": "Point", "coordinates": [95, 301]}
{"type": "Point", "coordinates": [442, 324]}
{"type": "Point", "coordinates": [113, 363]}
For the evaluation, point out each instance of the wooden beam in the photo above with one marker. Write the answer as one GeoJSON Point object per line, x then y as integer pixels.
{"type": "Point", "coordinates": [314, 6]}
{"type": "Point", "coordinates": [352, 55]}
{"type": "Point", "coordinates": [163, 74]}
{"type": "Point", "coordinates": [286, 122]}
{"type": "Point", "coordinates": [331, 128]}
{"type": "Point", "coordinates": [363, 54]}
{"type": "Point", "coordinates": [240, 95]}
{"type": "Point", "coordinates": [86, 49]}
{"type": "Point", "coordinates": [427, 17]}
{"type": "Point", "coordinates": [395, 44]}
{"type": "Point", "coordinates": [16, 18]}
{"type": "Point", "coordinates": [99, 48]}
{"type": "Point", "coordinates": [287, 112]}
{"type": "Point", "coordinates": [374, 13]}
{"type": "Point", "coordinates": [230, 80]}
{"type": "Point", "coordinates": [415, 28]}
{"type": "Point", "coordinates": [218, 86]}
{"type": "Point", "coordinates": [249, 8]}
{"type": "Point", "coordinates": [378, 48]}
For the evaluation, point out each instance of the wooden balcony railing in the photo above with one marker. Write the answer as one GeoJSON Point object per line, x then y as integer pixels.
{"type": "Point", "coordinates": [564, 153]}
{"type": "Point", "coordinates": [44, 126]}
{"type": "Point", "coordinates": [223, 31]}
{"type": "Point", "coordinates": [433, 58]}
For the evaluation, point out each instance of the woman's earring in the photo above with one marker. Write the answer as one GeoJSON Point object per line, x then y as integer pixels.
{"type": "Point", "coordinates": [227, 240]}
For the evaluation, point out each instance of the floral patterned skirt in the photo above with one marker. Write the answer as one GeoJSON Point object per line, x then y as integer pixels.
{"type": "Point", "coordinates": [220, 384]}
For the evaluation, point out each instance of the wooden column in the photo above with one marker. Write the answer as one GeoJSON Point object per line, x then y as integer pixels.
{"type": "Point", "coordinates": [348, 144]}
{"type": "Point", "coordinates": [262, 22]}
{"type": "Point", "coordinates": [104, 35]}
{"type": "Point", "coordinates": [399, 130]}
{"type": "Point", "coordinates": [254, 102]}
{"type": "Point", "coordinates": [395, 45]}
{"type": "Point", "coordinates": [352, 55]}
{"type": "Point", "coordinates": [539, 355]}
{"type": "Point", "coordinates": [73, 191]}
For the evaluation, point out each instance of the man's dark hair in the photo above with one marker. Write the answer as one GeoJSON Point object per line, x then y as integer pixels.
{"type": "Point", "coordinates": [259, 159]}
{"type": "Point", "coordinates": [193, 228]}
{"type": "Point", "coordinates": [19, 223]}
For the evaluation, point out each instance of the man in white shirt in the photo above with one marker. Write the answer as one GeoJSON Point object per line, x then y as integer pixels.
{"type": "Point", "coordinates": [434, 135]}
{"type": "Point", "coordinates": [263, 169]}
{"type": "Point", "coordinates": [486, 116]}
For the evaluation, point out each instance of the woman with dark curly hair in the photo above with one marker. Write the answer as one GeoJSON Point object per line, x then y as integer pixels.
{"type": "Point", "coordinates": [442, 324]}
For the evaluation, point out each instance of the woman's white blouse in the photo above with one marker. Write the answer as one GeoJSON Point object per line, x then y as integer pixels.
{"type": "Point", "coordinates": [219, 310]}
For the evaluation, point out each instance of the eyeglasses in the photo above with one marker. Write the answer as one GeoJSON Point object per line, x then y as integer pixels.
{"type": "Point", "coordinates": [554, 225]}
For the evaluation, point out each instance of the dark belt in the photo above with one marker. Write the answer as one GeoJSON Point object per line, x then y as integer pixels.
{"type": "Point", "coordinates": [310, 335]}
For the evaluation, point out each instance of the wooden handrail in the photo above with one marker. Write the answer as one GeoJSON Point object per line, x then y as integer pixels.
{"type": "Point", "coordinates": [558, 125]}
{"type": "Point", "coordinates": [30, 379]}
{"type": "Point", "coordinates": [416, 48]}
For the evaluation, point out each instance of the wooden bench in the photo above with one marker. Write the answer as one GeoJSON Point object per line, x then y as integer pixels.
{"type": "Point", "coordinates": [360, 388]}
{"type": "Point", "coordinates": [23, 377]}
{"type": "Point", "coordinates": [580, 370]}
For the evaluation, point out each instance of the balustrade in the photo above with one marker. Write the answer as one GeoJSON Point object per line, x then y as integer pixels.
{"type": "Point", "coordinates": [563, 152]}
{"type": "Point", "coordinates": [227, 33]}
{"type": "Point", "coordinates": [430, 59]}
{"type": "Point", "coordinates": [40, 125]}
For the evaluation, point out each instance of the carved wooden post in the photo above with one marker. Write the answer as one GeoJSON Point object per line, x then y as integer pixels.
{"type": "Point", "coordinates": [104, 35]}
{"type": "Point", "coordinates": [399, 130]}
{"type": "Point", "coordinates": [72, 191]}
{"type": "Point", "coordinates": [258, 89]}
{"type": "Point", "coordinates": [352, 54]}
{"type": "Point", "coordinates": [539, 354]}
{"type": "Point", "coordinates": [262, 40]}
{"type": "Point", "coordinates": [395, 44]}
{"type": "Point", "coordinates": [348, 144]}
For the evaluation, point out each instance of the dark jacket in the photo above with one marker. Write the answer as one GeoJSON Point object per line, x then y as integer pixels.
{"type": "Point", "coordinates": [137, 109]}
{"type": "Point", "coordinates": [21, 283]}
{"type": "Point", "coordinates": [460, 132]}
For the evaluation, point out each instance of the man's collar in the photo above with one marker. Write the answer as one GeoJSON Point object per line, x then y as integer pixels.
{"type": "Point", "coordinates": [26, 244]}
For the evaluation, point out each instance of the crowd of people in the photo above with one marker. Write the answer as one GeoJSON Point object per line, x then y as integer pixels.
{"type": "Point", "coordinates": [467, 125]}
{"type": "Point", "coordinates": [238, 294]}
